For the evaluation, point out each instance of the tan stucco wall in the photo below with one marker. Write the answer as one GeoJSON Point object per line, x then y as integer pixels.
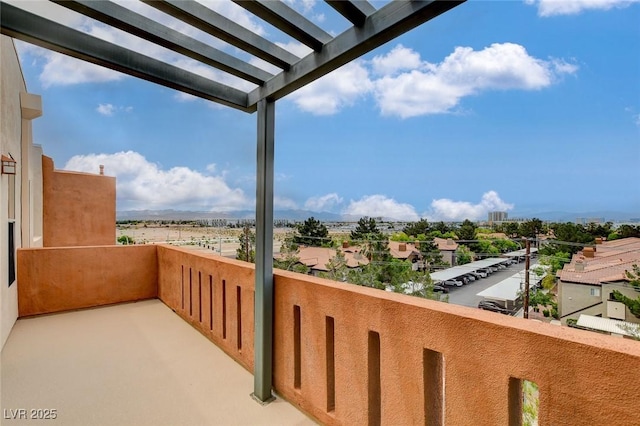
{"type": "Point", "coordinates": [430, 354]}
{"type": "Point", "coordinates": [481, 351]}
{"type": "Point", "coordinates": [11, 85]}
{"type": "Point", "coordinates": [193, 285]}
{"type": "Point", "coordinates": [573, 297]}
{"type": "Point", "coordinates": [625, 289]}
{"type": "Point", "coordinates": [60, 279]}
{"type": "Point", "coordinates": [79, 208]}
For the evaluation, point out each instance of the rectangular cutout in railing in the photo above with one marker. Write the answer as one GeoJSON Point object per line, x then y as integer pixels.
{"type": "Point", "coordinates": [200, 297]}
{"type": "Point", "coordinates": [524, 401]}
{"type": "Point", "coordinates": [374, 385]}
{"type": "Point", "coordinates": [224, 309]}
{"type": "Point", "coordinates": [433, 380]}
{"type": "Point", "coordinates": [296, 347]}
{"type": "Point", "coordinates": [530, 403]}
{"type": "Point", "coordinates": [239, 316]}
{"type": "Point", "coordinates": [210, 303]}
{"type": "Point", "coordinates": [190, 293]}
{"type": "Point", "coordinates": [330, 364]}
{"type": "Point", "coordinates": [182, 285]}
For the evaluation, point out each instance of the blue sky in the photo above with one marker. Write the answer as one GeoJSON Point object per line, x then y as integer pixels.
{"type": "Point", "coordinates": [496, 105]}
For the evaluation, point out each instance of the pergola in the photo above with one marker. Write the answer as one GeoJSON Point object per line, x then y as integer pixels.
{"type": "Point", "coordinates": [370, 28]}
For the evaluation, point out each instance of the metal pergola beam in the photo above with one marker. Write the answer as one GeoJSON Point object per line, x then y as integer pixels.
{"type": "Point", "coordinates": [355, 11]}
{"type": "Point", "coordinates": [225, 29]}
{"type": "Point", "coordinates": [25, 26]}
{"type": "Point", "coordinates": [127, 20]}
{"type": "Point", "coordinates": [288, 21]}
{"type": "Point", "coordinates": [394, 19]}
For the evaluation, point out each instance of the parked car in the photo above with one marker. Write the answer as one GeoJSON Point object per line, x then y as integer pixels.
{"type": "Point", "coordinates": [479, 275]}
{"type": "Point", "coordinates": [489, 305]}
{"type": "Point", "coordinates": [440, 289]}
{"type": "Point", "coordinates": [501, 266]}
{"type": "Point", "coordinates": [470, 277]}
{"type": "Point", "coordinates": [485, 271]}
{"type": "Point", "coordinates": [452, 283]}
{"type": "Point", "coordinates": [464, 279]}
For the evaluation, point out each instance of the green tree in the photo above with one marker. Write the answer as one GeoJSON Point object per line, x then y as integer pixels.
{"type": "Point", "coordinates": [441, 227]}
{"type": "Point", "coordinates": [530, 228]}
{"type": "Point", "coordinates": [416, 228]}
{"type": "Point", "coordinates": [247, 249]}
{"type": "Point", "coordinates": [633, 277]}
{"type": "Point", "coordinates": [312, 233]}
{"type": "Point", "coordinates": [372, 241]}
{"type": "Point", "coordinates": [400, 236]}
{"type": "Point", "coordinates": [463, 255]}
{"type": "Point", "coordinates": [467, 231]}
{"type": "Point", "coordinates": [337, 267]}
{"type": "Point", "coordinates": [125, 240]}
{"type": "Point", "coordinates": [429, 251]}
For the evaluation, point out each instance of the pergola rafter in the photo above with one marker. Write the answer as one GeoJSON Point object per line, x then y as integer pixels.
{"type": "Point", "coordinates": [371, 28]}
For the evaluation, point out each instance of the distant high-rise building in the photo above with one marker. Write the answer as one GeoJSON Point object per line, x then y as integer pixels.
{"type": "Point", "coordinates": [497, 217]}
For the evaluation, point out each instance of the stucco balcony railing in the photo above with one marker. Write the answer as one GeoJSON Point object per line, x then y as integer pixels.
{"type": "Point", "coordinates": [352, 355]}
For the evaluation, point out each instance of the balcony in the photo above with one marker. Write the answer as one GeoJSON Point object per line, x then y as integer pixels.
{"type": "Point", "coordinates": [343, 354]}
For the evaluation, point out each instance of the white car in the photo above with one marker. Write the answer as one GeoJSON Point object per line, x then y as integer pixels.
{"type": "Point", "coordinates": [452, 283]}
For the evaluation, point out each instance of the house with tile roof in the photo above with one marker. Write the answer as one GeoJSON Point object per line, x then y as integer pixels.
{"type": "Point", "coordinates": [447, 247]}
{"type": "Point", "coordinates": [586, 284]}
{"type": "Point", "coordinates": [317, 258]}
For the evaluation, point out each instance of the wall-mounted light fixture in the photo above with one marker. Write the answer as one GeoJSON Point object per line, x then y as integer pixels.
{"type": "Point", "coordinates": [8, 165]}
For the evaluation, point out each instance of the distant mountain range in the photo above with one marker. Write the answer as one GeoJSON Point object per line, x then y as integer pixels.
{"type": "Point", "coordinates": [300, 215]}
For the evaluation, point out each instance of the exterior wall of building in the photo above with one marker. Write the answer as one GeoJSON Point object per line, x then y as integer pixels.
{"type": "Point", "coordinates": [17, 109]}
{"type": "Point", "coordinates": [79, 208]}
{"type": "Point", "coordinates": [574, 297]}
{"type": "Point", "coordinates": [625, 289]}
{"type": "Point", "coordinates": [449, 257]}
{"type": "Point", "coordinates": [62, 279]}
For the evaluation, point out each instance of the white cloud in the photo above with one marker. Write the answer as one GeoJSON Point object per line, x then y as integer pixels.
{"type": "Point", "coordinates": [109, 109]}
{"type": "Point", "coordinates": [437, 88]}
{"type": "Point", "coordinates": [284, 203]}
{"type": "Point", "coordinates": [141, 184]}
{"type": "Point", "coordinates": [335, 91]}
{"type": "Point", "coordinates": [381, 206]}
{"type": "Point", "coordinates": [106, 109]}
{"type": "Point", "coordinates": [398, 59]}
{"type": "Point", "coordinates": [572, 7]}
{"type": "Point", "coordinates": [449, 210]}
{"type": "Point", "coordinates": [323, 203]}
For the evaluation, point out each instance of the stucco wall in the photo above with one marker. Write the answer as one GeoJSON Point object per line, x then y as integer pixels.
{"type": "Point", "coordinates": [625, 289]}
{"type": "Point", "coordinates": [393, 354]}
{"type": "Point", "coordinates": [79, 209]}
{"type": "Point", "coordinates": [11, 85]}
{"type": "Point", "coordinates": [60, 279]}
{"type": "Point", "coordinates": [354, 355]}
{"type": "Point", "coordinates": [573, 297]}
{"type": "Point", "coordinates": [212, 293]}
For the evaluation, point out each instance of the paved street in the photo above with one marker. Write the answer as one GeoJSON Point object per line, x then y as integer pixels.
{"type": "Point", "coordinates": [466, 295]}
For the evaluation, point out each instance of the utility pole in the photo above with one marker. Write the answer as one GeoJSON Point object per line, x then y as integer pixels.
{"type": "Point", "coordinates": [527, 262]}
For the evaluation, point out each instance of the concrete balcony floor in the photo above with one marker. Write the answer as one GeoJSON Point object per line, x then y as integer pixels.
{"type": "Point", "coordinates": [129, 364]}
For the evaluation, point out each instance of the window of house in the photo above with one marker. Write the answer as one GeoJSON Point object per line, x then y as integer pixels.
{"type": "Point", "coordinates": [12, 253]}
{"type": "Point", "coordinates": [594, 292]}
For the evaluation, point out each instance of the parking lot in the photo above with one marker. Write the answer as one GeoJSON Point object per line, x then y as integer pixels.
{"type": "Point", "coordinates": [466, 295]}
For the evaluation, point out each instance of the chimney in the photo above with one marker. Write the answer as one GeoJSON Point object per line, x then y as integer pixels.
{"type": "Point", "coordinates": [589, 252]}
{"type": "Point", "coordinates": [599, 240]}
{"type": "Point", "coordinates": [449, 241]}
{"type": "Point", "coordinates": [345, 244]}
{"type": "Point", "coordinates": [101, 169]}
{"type": "Point", "coordinates": [579, 266]}
{"type": "Point", "coordinates": [402, 247]}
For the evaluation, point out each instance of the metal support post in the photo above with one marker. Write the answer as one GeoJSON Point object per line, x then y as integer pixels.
{"type": "Point", "coordinates": [262, 369]}
{"type": "Point", "coordinates": [527, 263]}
